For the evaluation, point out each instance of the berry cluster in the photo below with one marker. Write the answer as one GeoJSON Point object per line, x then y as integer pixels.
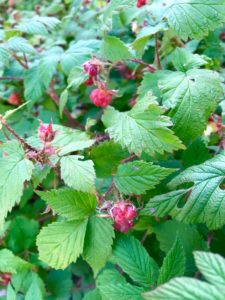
{"type": "Point", "coordinates": [123, 214]}
{"type": "Point", "coordinates": [141, 3]}
{"type": "Point", "coordinates": [93, 68]}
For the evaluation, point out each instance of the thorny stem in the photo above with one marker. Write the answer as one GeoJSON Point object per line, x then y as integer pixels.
{"type": "Point", "coordinates": [130, 158]}
{"type": "Point", "coordinates": [157, 55]}
{"type": "Point", "coordinates": [151, 68]}
{"type": "Point", "coordinates": [11, 78]}
{"type": "Point", "coordinates": [55, 98]}
{"type": "Point", "coordinates": [21, 140]}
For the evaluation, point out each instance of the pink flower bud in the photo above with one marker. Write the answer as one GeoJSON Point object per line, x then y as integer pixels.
{"type": "Point", "coordinates": [46, 132]}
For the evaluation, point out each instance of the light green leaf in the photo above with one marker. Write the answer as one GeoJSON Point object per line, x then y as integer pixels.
{"type": "Point", "coordinates": [192, 96]}
{"type": "Point", "coordinates": [15, 169]}
{"type": "Point", "coordinates": [11, 294]}
{"type": "Point", "coordinates": [185, 288]}
{"type": "Point", "coordinates": [4, 55]}
{"type": "Point", "coordinates": [141, 131]}
{"type": "Point", "coordinates": [18, 44]}
{"type": "Point", "coordinates": [61, 243]}
{"type": "Point", "coordinates": [98, 242]}
{"type": "Point", "coordinates": [194, 18]}
{"type": "Point", "coordinates": [184, 60]}
{"type": "Point", "coordinates": [10, 263]}
{"type": "Point", "coordinates": [132, 257]}
{"type": "Point", "coordinates": [137, 177]}
{"type": "Point", "coordinates": [121, 292]}
{"type": "Point", "coordinates": [173, 263]}
{"type": "Point", "coordinates": [62, 101]}
{"type": "Point", "coordinates": [70, 204]}
{"type": "Point", "coordinates": [93, 295]}
{"type": "Point", "coordinates": [34, 292]}
{"type": "Point", "coordinates": [77, 174]}
{"type": "Point", "coordinates": [212, 267]}
{"type": "Point", "coordinates": [113, 49]}
{"type": "Point", "coordinates": [116, 5]}
{"type": "Point", "coordinates": [76, 77]}
{"type": "Point", "coordinates": [33, 85]}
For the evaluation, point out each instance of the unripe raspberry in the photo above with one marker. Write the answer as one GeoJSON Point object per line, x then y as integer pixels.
{"type": "Point", "coordinates": [140, 3]}
{"type": "Point", "coordinates": [89, 81]}
{"type": "Point", "coordinates": [123, 214]}
{"type": "Point", "coordinates": [101, 97]}
{"type": "Point", "coordinates": [46, 132]}
{"type": "Point", "coordinates": [14, 99]}
{"type": "Point", "coordinates": [93, 67]}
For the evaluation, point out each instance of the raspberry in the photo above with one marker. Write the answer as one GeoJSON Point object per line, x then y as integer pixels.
{"type": "Point", "coordinates": [101, 97]}
{"type": "Point", "coordinates": [46, 132]}
{"type": "Point", "coordinates": [123, 214]}
{"type": "Point", "coordinates": [93, 67]}
{"type": "Point", "coordinates": [5, 279]}
{"type": "Point", "coordinates": [89, 81]}
{"type": "Point", "coordinates": [140, 3]}
{"type": "Point", "coordinates": [14, 99]}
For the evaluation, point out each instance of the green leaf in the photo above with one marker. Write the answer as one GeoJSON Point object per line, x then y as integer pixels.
{"type": "Point", "coordinates": [111, 275]}
{"type": "Point", "coordinates": [10, 263]}
{"type": "Point", "coordinates": [173, 263]}
{"type": "Point", "coordinates": [137, 177]}
{"type": "Point", "coordinates": [4, 55]}
{"type": "Point", "coordinates": [34, 292]}
{"type": "Point", "coordinates": [205, 201]}
{"type": "Point", "coordinates": [77, 174]}
{"type": "Point", "coordinates": [121, 292]}
{"type": "Point", "coordinates": [15, 169]}
{"type": "Point", "coordinates": [18, 44]}
{"type": "Point", "coordinates": [70, 204]}
{"type": "Point", "coordinates": [38, 25]}
{"type": "Point", "coordinates": [194, 18]}
{"type": "Point", "coordinates": [212, 266]}
{"type": "Point", "coordinates": [185, 288]}
{"type": "Point", "coordinates": [76, 77]}
{"type": "Point", "coordinates": [184, 60]}
{"type": "Point", "coordinates": [11, 294]}
{"type": "Point", "coordinates": [192, 96]}
{"type": "Point", "coordinates": [98, 242]}
{"type": "Point", "coordinates": [22, 234]}
{"type": "Point", "coordinates": [116, 5]}
{"type": "Point", "coordinates": [93, 295]}
{"type": "Point", "coordinates": [132, 257]}
{"type": "Point", "coordinates": [33, 85]}
{"type": "Point", "coordinates": [61, 243]}
{"type": "Point", "coordinates": [113, 49]}
{"type": "Point", "coordinates": [62, 101]}
{"type": "Point", "coordinates": [59, 283]}
{"type": "Point", "coordinates": [141, 131]}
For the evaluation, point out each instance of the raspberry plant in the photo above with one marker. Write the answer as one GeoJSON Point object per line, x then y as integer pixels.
{"type": "Point", "coordinates": [112, 161]}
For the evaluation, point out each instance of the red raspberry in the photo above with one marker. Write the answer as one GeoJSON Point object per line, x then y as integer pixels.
{"type": "Point", "coordinates": [101, 97]}
{"type": "Point", "coordinates": [46, 132]}
{"type": "Point", "coordinates": [93, 67]}
{"type": "Point", "coordinates": [123, 214]}
{"type": "Point", "coordinates": [140, 3]}
{"type": "Point", "coordinates": [89, 81]}
{"type": "Point", "coordinates": [5, 279]}
{"type": "Point", "coordinates": [15, 99]}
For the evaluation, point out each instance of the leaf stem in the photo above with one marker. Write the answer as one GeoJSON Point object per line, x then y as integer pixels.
{"type": "Point", "coordinates": [157, 55]}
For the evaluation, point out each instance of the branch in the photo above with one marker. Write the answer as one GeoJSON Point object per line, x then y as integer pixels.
{"type": "Point", "coordinates": [151, 68]}
{"type": "Point", "coordinates": [23, 64]}
{"type": "Point", "coordinates": [66, 112]}
{"type": "Point", "coordinates": [11, 78]}
{"type": "Point", "coordinates": [157, 55]}
{"type": "Point", "coordinates": [130, 158]}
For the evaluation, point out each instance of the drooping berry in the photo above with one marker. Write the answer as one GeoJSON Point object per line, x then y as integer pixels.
{"type": "Point", "coordinates": [46, 132]}
{"type": "Point", "coordinates": [123, 214]}
{"type": "Point", "coordinates": [141, 3]}
{"type": "Point", "coordinates": [15, 99]}
{"type": "Point", "coordinates": [101, 97]}
{"type": "Point", "coordinates": [93, 67]}
{"type": "Point", "coordinates": [89, 81]}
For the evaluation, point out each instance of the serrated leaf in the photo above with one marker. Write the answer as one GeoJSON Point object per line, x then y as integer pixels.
{"type": "Point", "coordinates": [113, 49]}
{"type": "Point", "coordinates": [4, 55]}
{"type": "Point", "coordinates": [184, 60]}
{"type": "Point", "coordinates": [173, 263]}
{"type": "Point", "coordinates": [62, 101]}
{"type": "Point", "coordinates": [33, 85]}
{"type": "Point", "coordinates": [192, 96]}
{"type": "Point", "coordinates": [194, 18]}
{"type": "Point", "coordinates": [139, 132]}
{"type": "Point", "coordinates": [98, 242]}
{"type": "Point", "coordinates": [121, 292]}
{"type": "Point", "coordinates": [132, 257]}
{"type": "Point", "coordinates": [78, 174]}
{"type": "Point", "coordinates": [76, 77]}
{"type": "Point", "coordinates": [93, 295]}
{"type": "Point", "coordinates": [212, 266]}
{"type": "Point", "coordinates": [61, 243]}
{"type": "Point", "coordinates": [116, 5]}
{"type": "Point", "coordinates": [15, 169]}
{"type": "Point", "coordinates": [18, 44]}
{"type": "Point", "coordinates": [137, 177]}
{"type": "Point", "coordinates": [11, 294]}
{"type": "Point", "coordinates": [70, 204]}
{"type": "Point", "coordinates": [185, 288]}
{"type": "Point", "coordinates": [10, 263]}
{"type": "Point", "coordinates": [34, 292]}
{"type": "Point", "coordinates": [205, 201]}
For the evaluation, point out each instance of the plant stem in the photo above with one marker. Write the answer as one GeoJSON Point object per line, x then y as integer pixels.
{"type": "Point", "coordinates": [151, 68]}
{"type": "Point", "coordinates": [157, 55]}
{"type": "Point", "coordinates": [23, 64]}
{"type": "Point", "coordinates": [11, 78]}
{"type": "Point", "coordinates": [130, 158]}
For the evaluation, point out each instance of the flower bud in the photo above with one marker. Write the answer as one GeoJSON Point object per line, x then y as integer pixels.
{"type": "Point", "coordinates": [46, 132]}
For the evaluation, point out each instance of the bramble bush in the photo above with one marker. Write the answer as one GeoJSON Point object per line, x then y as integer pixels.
{"type": "Point", "coordinates": [112, 162]}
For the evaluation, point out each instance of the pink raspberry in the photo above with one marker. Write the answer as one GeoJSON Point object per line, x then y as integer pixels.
{"type": "Point", "coordinates": [101, 97]}
{"type": "Point", "coordinates": [93, 67]}
{"type": "Point", "coordinates": [123, 214]}
{"type": "Point", "coordinates": [140, 3]}
{"type": "Point", "coordinates": [46, 132]}
{"type": "Point", "coordinates": [89, 81]}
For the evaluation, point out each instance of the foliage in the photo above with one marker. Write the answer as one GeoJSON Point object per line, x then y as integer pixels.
{"type": "Point", "coordinates": [112, 150]}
